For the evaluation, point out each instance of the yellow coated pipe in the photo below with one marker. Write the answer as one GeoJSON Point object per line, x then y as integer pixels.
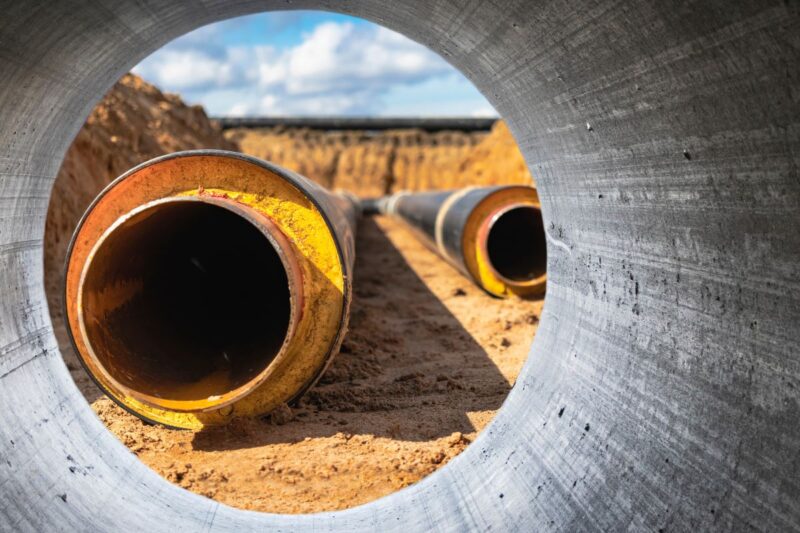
{"type": "Point", "coordinates": [207, 285]}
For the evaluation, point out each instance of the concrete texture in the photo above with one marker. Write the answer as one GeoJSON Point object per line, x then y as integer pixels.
{"type": "Point", "coordinates": [662, 391]}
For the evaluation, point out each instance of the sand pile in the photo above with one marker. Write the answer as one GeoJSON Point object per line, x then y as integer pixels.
{"type": "Point", "coordinates": [133, 123]}
{"type": "Point", "coordinates": [495, 161]}
{"type": "Point", "coordinates": [372, 164]}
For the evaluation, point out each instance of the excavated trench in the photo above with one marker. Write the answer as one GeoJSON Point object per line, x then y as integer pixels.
{"type": "Point", "coordinates": [661, 392]}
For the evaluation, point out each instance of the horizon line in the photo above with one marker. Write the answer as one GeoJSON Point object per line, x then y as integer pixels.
{"type": "Point", "coordinates": [332, 122]}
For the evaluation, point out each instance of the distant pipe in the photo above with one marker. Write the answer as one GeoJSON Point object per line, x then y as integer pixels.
{"type": "Point", "coordinates": [493, 235]}
{"type": "Point", "coordinates": [206, 285]}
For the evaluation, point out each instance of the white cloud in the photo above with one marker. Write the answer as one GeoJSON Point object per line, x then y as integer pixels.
{"type": "Point", "coordinates": [336, 60]}
{"type": "Point", "coordinates": [484, 112]}
{"type": "Point", "coordinates": [337, 68]}
{"type": "Point", "coordinates": [188, 69]}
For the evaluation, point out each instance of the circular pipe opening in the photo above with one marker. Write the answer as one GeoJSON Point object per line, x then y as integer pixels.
{"type": "Point", "coordinates": [516, 244]}
{"type": "Point", "coordinates": [187, 300]}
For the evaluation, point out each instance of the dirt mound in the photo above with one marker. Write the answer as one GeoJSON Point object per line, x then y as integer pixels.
{"type": "Point", "coordinates": [133, 123]}
{"type": "Point", "coordinates": [496, 160]}
{"type": "Point", "coordinates": [373, 164]}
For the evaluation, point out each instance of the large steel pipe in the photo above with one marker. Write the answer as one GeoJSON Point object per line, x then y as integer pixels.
{"type": "Point", "coordinates": [663, 385]}
{"type": "Point", "coordinates": [492, 235]}
{"type": "Point", "coordinates": [206, 285]}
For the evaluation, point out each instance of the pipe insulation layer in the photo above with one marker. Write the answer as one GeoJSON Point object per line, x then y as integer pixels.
{"type": "Point", "coordinates": [206, 285]}
{"type": "Point", "coordinates": [662, 388]}
{"type": "Point", "coordinates": [493, 235]}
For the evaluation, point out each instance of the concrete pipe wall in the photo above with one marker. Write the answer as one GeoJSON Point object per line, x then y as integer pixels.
{"type": "Point", "coordinates": [661, 392]}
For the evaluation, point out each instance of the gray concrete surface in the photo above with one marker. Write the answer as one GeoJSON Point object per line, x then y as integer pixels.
{"type": "Point", "coordinates": [662, 389]}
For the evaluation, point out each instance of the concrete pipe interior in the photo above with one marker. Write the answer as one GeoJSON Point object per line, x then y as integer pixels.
{"type": "Point", "coordinates": [185, 301]}
{"type": "Point", "coordinates": [516, 244]}
{"type": "Point", "coordinates": [662, 389]}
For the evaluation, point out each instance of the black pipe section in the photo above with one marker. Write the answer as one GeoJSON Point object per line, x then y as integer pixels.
{"type": "Point", "coordinates": [493, 235]}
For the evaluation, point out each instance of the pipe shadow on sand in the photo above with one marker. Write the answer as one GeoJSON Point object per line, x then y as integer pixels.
{"type": "Point", "coordinates": [408, 369]}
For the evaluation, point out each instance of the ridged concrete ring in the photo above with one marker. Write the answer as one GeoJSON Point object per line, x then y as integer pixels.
{"type": "Point", "coordinates": [661, 392]}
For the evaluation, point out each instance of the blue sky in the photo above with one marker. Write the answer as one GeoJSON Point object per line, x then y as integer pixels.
{"type": "Point", "coordinates": [310, 63]}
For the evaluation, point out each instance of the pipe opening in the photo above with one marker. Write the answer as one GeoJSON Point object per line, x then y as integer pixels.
{"type": "Point", "coordinates": [185, 301]}
{"type": "Point", "coordinates": [516, 244]}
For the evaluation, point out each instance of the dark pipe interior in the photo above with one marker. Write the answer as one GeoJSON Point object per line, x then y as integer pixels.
{"type": "Point", "coordinates": [186, 300]}
{"type": "Point", "coordinates": [516, 244]}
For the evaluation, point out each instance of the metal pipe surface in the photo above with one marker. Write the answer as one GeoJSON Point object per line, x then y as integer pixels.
{"type": "Point", "coordinates": [492, 235]}
{"type": "Point", "coordinates": [663, 385]}
{"type": "Point", "coordinates": [221, 290]}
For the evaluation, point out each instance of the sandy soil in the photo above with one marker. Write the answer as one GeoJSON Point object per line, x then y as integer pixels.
{"type": "Point", "coordinates": [427, 363]}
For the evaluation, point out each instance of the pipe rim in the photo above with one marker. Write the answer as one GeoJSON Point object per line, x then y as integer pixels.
{"type": "Point", "coordinates": [484, 233]}
{"type": "Point", "coordinates": [279, 243]}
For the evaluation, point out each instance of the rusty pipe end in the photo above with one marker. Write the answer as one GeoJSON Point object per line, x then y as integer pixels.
{"type": "Point", "coordinates": [512, 241]}
{"type": "Point", "coordinates": [185, 301]}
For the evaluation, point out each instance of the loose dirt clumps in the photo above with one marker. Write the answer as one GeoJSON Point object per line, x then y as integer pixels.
{"type": "Point", "coordinates": [428, 359]}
